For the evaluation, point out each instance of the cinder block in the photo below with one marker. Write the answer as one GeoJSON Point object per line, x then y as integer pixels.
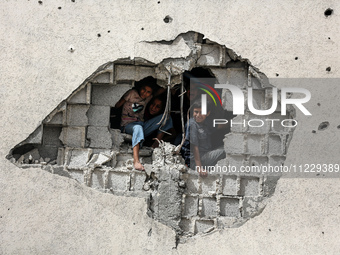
{"type": "Point", "coordinates": [203, 226]}
{"type": "Point", "coordinates": [255, 83]}
{"type": "Point", "coordinates": [258, 99]}
{"type": "Point", "coordinates": [102, 78]}
{"type": "Point", "coordinates": [257, 161]}
{"type": "Point", "coordinates": [108, 94]}
{"type": "Point", "coordinates": [275, 146]}
{"type": "Point", "coordinates": [142, 72]}
{"type": "Point", "coordinates": [77, 175]}
{"type": "Point", "coordinates": [79, 97]}
{"type": "Point", "coordinates": [137, 182]}
{"type": "Point", "coordinates": [77, 158]}
{"type": "Point", "coordinates": [125, 72]}
{"type": "Point", "coordinates": [208, 184]}
{"type": "Point", "coordinates": [251, 206]}
{"type": "Point", "coordinates": [99, 137]}
{"type": "Point", "coordinates": [99, 116]}
{"type": "Point", "coordinates": [249, 186]}
{"type": "Point", "coordinates": [211, 55]}
{"type": "Point", "coordinates": [48, 151]}
{"type": "Point", "coordinates": [254, 144]}
{"type": "Point", "coordinates": [227, 100]}
{"type": "Point", "coordinates": [51, 136]}
{"type": "Point", "coordinates": [118, 138]}
{"type": "Point", "coordinates": [258, 124]}
{"type": "Point", "coordinates": [234, 143]}
{"type": "Point", "coordinates": [186, 225]}
{"type": "Point", "coordinates": [276, 161]}
{"type": "Point", "coordinates": [235, 161]}
{"type": "Point", "coordinates": [238, 124]}
{"type": "Point", "coordinates": [76, 115]}
{"type": "Point", "coordinates": [237, 77]}
{"type": "Point", "coordinates": [209, 207]}
{"type": "Point", "coordinates": [229, 185]}
{"type": "Point", "coordinates": [229, 207]}
{"type": "Point", "coordinates": [61, 156]}
{"type": "Point", "coordinates": [276, 125]}
{"type": "Point", "coordinates": [192, 184]}
{"type": "Point", "coordinates": [57, 119]}
{"type": "Point", "coordinates": [119, 181]}
{"type": "Point", "coordinates": [73, 136]}
{"type": "Point", "coordinates": [190, 207]}
{"type": "Point", "coordinates": [97, 180]}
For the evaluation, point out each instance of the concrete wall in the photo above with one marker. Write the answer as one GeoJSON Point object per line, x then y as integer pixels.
{"type": "Point", "coordinates": [42, 213]}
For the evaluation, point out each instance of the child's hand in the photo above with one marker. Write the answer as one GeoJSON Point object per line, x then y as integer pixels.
{"type": "Point", "coordinates": [202, 172]}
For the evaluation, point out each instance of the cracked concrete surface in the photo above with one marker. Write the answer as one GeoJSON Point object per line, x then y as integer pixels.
{"type": "Point", "coordinates": [76, 141]}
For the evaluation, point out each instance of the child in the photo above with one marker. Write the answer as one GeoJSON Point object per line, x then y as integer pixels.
{"type": "Point", "coordinates": [134, 103]}
{"type": "Point", "coordinates": [197, 149]}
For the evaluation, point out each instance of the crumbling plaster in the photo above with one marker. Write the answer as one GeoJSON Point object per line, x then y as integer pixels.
{"type": "Point", "coordinates": [37, 72]}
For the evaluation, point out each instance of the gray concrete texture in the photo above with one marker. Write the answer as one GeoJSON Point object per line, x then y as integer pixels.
{"type": "Point", "coordinates": [52, 204]}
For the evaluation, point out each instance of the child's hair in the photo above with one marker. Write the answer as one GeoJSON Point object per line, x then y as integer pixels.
{"type": "Point", "coordinates": [146, 82]}
{"type": "Point", "coordinates": [198, 104]}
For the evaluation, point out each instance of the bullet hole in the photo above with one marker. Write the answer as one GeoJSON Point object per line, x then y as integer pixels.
{"type": "Point", "coordinates": [9, 208]}
{"type": "Point", "coordinates": [317, 174]}
{"type": "Point", "coordinates": [99, 35]}
{"type": "Point", "coordinates": [0, 217]}
{"type": "Point", "coordinates": [328, 69]}
{"type": "Point", "coordinates": [253, 164]}
{"type": "Point", "coordinates": [167, 19]}
{"type": "Point", "coordinates": [338, 127]}
{"type": "Point", "coordinates": [142, 28]}
{"type": "Point", "coordinates": [329, 38]}
{"type": "Point", "coordinates": [277, 75]}
{"type": "Point", "coordinates": [324, 125]}
{"type": "Point", "coordinates": [323, 232]}
{"type": "Point", "coordinates": [318, 104]}
{"type": "Point", "coordinates": [40, 2]}
{"type": "Point", "coordinates": [73, 1]}
{"type": "Point", "coordinates": [134, 223]}
{"type": "Point", "coordinates": [159, 2]}
{"type": "Point", "coordinates": [108, 31]}
{"type": "Point", "coordinates": [269, 230]}
{"type": "Point", "coordinates": [59, 8]}
{"type": "Point", "coordinates": [71, 48]}
{"type": "Point", "coordinates": [313, 131]}
{"type": "Point", "coordinates": [328, 12]}
{"type": "Point", "coordinates": [296, 58]}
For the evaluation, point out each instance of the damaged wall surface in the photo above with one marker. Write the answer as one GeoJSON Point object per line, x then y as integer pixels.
{"type": "Point", "coordinates": [48, 69]}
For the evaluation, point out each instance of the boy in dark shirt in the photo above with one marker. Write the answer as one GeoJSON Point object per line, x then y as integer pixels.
{"type": "Point", "coordinates": [197, 149]}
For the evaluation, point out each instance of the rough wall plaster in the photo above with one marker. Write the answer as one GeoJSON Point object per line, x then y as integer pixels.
{"type": "Point", "coordinates": [35, 40]}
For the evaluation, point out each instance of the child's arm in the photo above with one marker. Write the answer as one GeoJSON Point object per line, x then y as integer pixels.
{"type": "Point", "coordinates": [120, 102]}
{"type": "Point", "coordinates": [198, 162]}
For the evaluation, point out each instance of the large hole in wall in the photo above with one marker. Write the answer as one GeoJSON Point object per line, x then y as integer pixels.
{"type": "Point", "coordinates": [81, 139]}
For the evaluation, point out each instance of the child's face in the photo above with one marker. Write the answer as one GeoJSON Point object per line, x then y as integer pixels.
{"type": "Point", "coordinates": [145, 92]}
{"type": "Point", "coordinates": [155, 107]}
{"type": "Point", "coordinates": [197, 115]}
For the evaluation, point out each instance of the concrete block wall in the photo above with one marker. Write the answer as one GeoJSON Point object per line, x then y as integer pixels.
{"type": "Point", "coordinates": [218, 201]}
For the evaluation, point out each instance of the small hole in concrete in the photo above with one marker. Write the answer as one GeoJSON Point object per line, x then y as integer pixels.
{"type": "Point", "coordinates": [318, 104]}
{"type": "Point", "coordinates": [277, 75]}
{"type": "Point", "coordinates": [329, 38]}
{"type": "Point", "coordinates": [328, 12]}
{"type": "Point", "coordinates": [323, 232]}
{"type": "Point", "coordinates": [142, 28]}
{"type": "Point", "coordinates": [59, 8]}
{"type": "Point", "coordinates": [73, 1]}
{"type": "Point", "coordinates": [323, 125]}
{"type": "Point", "coordinates": [159, 2]}
{"type": "Point", "coordinates": [40, 2]}
{"type": "Point", "coordinates": [296, 58]}
{"type": "Point", "coordinates": [338, 127]}
{"type": "Point", "coordinates": [99, 35]}
{"type": "Point", "coordinates": [269, 229]}
{"type": "Point", "coordinates": [328, 69]}
{"type": "Point", "coordinates": [313, 131]}
{"type": "Point", "coordinates": [167, 19]}
{"type": "Point", "coordinates": [108, 31]}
